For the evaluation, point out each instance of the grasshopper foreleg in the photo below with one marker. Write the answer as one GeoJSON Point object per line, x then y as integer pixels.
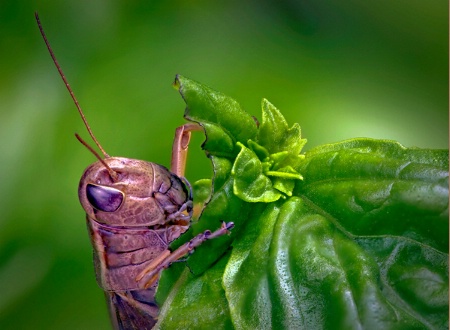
{"type": "Point", "coordinates": [151, 273]}
{"type": "Point", "coordinates": [180, 147]}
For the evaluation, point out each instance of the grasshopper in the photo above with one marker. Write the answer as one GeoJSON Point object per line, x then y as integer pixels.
{"type": "Point", "coordinates": [134, 209]}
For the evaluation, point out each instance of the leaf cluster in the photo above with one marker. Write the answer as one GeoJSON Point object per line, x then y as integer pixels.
{"type": "Point", "coordinates": [349, 235]}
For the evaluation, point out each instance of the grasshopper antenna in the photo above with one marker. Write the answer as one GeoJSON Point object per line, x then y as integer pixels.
{"type": "Point", "coordinates": [72, 95]}
{"type": "Point", "coordinates": [112, 173]}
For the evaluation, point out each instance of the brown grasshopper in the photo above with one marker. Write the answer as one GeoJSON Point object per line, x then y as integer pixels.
{"type": "Point", "coordinates": [134, 209]}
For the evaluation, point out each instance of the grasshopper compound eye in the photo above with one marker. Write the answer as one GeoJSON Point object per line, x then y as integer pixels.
{"type": "Point", "coordinates": [104, 198]}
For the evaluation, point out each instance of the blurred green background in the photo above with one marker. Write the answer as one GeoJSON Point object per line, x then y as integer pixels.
{"type": "Point", "coordinates": [341, 69]}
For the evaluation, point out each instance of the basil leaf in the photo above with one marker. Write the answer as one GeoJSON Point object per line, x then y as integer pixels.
{"type": "Point", "coordinates": [349, 235]}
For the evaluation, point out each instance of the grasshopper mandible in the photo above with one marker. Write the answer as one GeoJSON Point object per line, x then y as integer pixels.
{"type": "Point", "coordinates": [134, 209]}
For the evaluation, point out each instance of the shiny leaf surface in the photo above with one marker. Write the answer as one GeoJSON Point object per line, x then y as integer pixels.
{"type": "Point", "coordinates": [348, 235]}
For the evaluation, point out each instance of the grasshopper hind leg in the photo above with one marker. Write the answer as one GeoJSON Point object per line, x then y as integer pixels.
{"type": "Point", "coordinates": [132, 309]}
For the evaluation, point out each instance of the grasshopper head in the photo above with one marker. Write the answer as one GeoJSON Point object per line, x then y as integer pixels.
{"type": "Point", "coordinates": [141, 194]}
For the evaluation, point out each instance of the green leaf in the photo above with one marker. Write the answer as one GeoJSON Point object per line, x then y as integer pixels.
{"type": "Point", "coordinates": [202, 191]}
{"type": "Point", "coordinates": [375, 187]}
{"type": "Point", "coordinates": [350, 235]}
{"type": "Point", "coordinates": [218, 114]}
{"type": "Point", "coordinates": [274, 133]}
{"type": "Point", "coordinates": [205, 292]}
{"type": "Point", "coordinates": [413, 275]}
{"type": "Point", "coordinates": [250, 183]}
{"type": "Point", "coordinates": [295, 270]}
